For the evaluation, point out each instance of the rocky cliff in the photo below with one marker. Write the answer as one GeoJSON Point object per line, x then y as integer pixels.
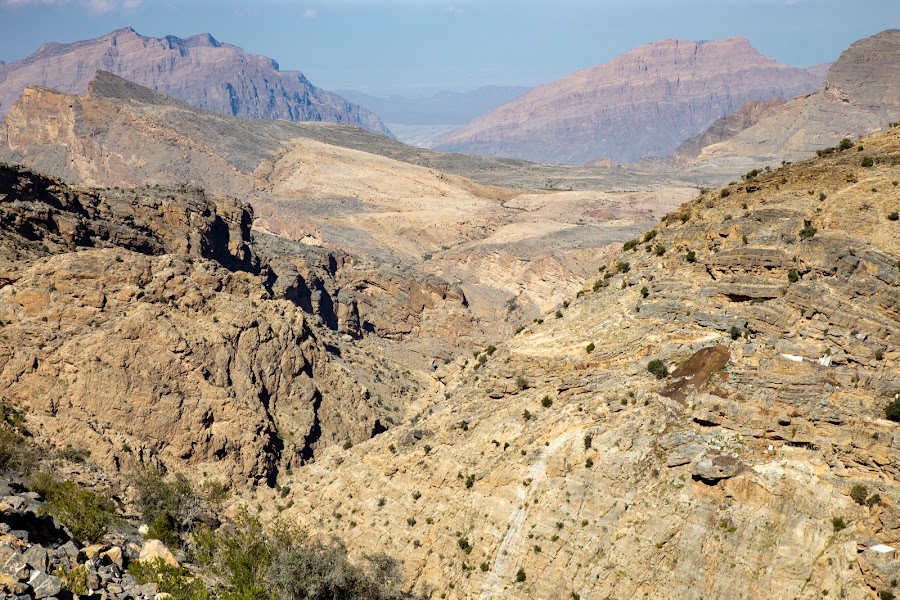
{"type": "Point", "coordinates": [139, 324]}
{"type": "Point", "coordinates": [641, 104]}
{"type": "Point", "coordinates": [861, 95]}
{"type": "Point", "coordinates": [706, 419]}
{"type": "Point", "coordinates": [198, 70]}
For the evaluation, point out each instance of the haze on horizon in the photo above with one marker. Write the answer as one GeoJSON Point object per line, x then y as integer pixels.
{"type": "Point", "coordinates": [419, 47]}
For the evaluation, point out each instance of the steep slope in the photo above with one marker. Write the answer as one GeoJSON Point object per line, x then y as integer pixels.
{"type": "Point", "coordinates": [558, 466]}
{"type": "Point", "coordinates": [861, 95]}
{"type": "Point", "coordinates": [198, 70]}
{"type": "Point", "coordinates": [140, 325]}
{"type": "Point", "coordinates": [641, 104]}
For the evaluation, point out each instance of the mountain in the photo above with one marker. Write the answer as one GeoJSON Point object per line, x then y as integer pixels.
{"type": "Point", "coordinates": [641, 104]}
{"type": "Point", "coordinates": [705, 419]}
{"type": "Point", "coordinates": [198, 70]}
{"type": "Point", "coordinates": [749, 114]}
{"type": "Point", "coordinates": [443, 108]}
{"type": "Point", "coordinates": [861, 95]}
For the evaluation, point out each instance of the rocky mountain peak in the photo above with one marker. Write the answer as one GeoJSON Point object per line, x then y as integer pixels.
{"type": "Point", "coordinates": [199, 70]}
{"type": "Point", "coordinates": [641, 104]}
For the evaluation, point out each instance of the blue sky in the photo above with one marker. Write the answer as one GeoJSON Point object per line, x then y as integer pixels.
{"type": "Point", "coordinates": [414, 47]}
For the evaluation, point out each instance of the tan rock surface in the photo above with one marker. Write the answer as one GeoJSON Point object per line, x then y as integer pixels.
{"type": "Point", "coordinates": [613, 490]}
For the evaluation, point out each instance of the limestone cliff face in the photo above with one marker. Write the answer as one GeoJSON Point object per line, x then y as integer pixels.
{"type": "Point", "coordinates": [861, 95]}
{"type": "Point", "coordinates": [641, 104]}
{"type": "Point", "coordinates": [134, 325]}
{"type": "Point", "coordinates": [560, 457]}
{"type": "Point", "coordinates": [198, 70]}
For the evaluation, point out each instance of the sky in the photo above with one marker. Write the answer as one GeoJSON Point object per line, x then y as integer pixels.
{"type": "Point", "coordinates": [419, 47]}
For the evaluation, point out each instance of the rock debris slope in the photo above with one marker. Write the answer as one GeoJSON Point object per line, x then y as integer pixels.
{"type": "Point", "coordinates": [198, 70]}
{"type": "Point", "coordinates": [557, 466]}
{"type": "Point", "coordinates": [641, 104]}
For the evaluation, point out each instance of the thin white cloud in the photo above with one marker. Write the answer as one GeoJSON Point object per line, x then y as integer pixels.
{"type": "Point", "coordinates": [310, 13]}
{"type": "Point", "coordinates": [456, 9]}
{"type": "Point", "coordinates": [32, 2]}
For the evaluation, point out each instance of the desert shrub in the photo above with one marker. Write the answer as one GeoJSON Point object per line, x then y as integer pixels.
{"type": "Point", "coordinates": [873, 500]}
{"type": "Point", "coordinates": [886, 595]}
{"type": "Point", "coordinates": [588, 440]}
{"type": "Point", "coordinates": [644, 292]}
{"type": "Point", "coordinates": [659, 250]}
{"type": "Point", "coordinates": [520, 575]}
{"type": "Point", "coordinates": [808, 230]}
{"type": "Point", "coordinates": [879, 353]}
{"type": "Point", "coordinates": [859, 493]}
{"type": "Point", "coordinates": [176, 581]}
{"type": "Point", "coordinates": [16, 453]}
{"type": "Point", "coordinates": [691, 256]}
{"type": "Point", "coordinates": [526, 415]}
{"type": "Point", "coordinates": [893, 216]}
{"type": "Point", "coordinates": [867, 161]}
{"type": "Point", "coordinates": [892, 410]}
{"type": "Point", "coordinates": [238, 556]}
{"type": "Point", "coordinates": [490, 349]}
{"type": "Point", "coordinates": [724, 193]}
{"type": "Point", "coordinates": [623, 267]}
{"type": "Point", "coordinates": [546, 402]}
{"type": "Point", "coordinates": [558, 314]}
{"type": "Point", "coordinates": [838, 523]}
{"type": "Point", "coordinates": [86, 514]}
{"type": "Point", "coordinates": [649, 235]}
{"type": "Point", "coordinates": [484, 567]}
{"type": "Point", "coordinates": [73, 580]}
{"type": "Point", "coordinates": [72, 454]}
{"type": "Point", "coordinates": [793, 276]}
{"type": "Point", "coordinates": [168, 507]}
{"type": "Point", "coordinates": [590, 348]}
{"type": "Point", "coordinates": [845, 144]}
{"type": "Point", "coordinates": [658, 368]}
{"type": "Point", "coordinates": [734, 332]}
{"type": "Point", "coordinates": [629, 245]}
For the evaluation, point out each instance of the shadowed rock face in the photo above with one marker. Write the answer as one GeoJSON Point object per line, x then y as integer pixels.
{"type": "Point", "coordinates": [642, 104]}
{"type": "Point", "coordinates": [199, 70]}
{"type": "Point", "coordinates": [134, 324]}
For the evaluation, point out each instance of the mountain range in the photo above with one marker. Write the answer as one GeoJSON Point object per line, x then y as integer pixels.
{"type": "Point", "coordinates": [642, 104]}
{"type": "Point", "coordinates": [199, 70]}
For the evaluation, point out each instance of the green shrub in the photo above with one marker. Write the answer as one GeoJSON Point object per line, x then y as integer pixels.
{"type": "Point", "coordinates": [838, 523]}
{"type": "Point", "coordinates": [724, 193]}
{"type": "Point", "coordinates": [892, 410]}
{"type": "Point", "coordinates": [73, 580]}
{"type": "Point", "coordinates": [484, 567]}
{"type": "Point", "coordinates": [546, 402]}
{"type": "Point", "coordinates": [629, 245]}
{"type": "Point", "coordinates": [658, 368]}
{"type": "Point", "coordinates": [886, 595]}
{"type": "Point", "coordinates": [86, 514]}
{"type": "Point", "coordinates": [177, 581]}
{"type": "Point", "coordinates": [72, 454]}
{"type": "Point", "coordinates": [893, 216]}
{"type": "Point", "coordinates": [168, 507]}
{"type": "Point", "coordinates": [558, 314]}
{"type": "Point", "coordinates": [691, 256]}
{"type": "Point", "coordinates": [590, 348]}
{"type": "Point", "coordinates": [644, 292]}
{"type": "Point", "coordinates": [845, 144]}
{"type": "Point", "coordinates": [490, 349]}
{"type": "Point", "coordinates": [808, 230]}
{"type": "Point", "coordinates": [793, 276]}
{"type": "Point", "coordinates": [734, 332]}
{"type": "Point", "coordinates": [659, 250]}
{"type": "Point", "coordinates": [858, 493]}
{"type": "Point", "coordinates": [867, 162]}
{"type": "Point", "coordinates": [623, 267]}
{"type": "Point", "coordinates": [16, 453]}
{"type": "Point", "coordinates": [526, 415]}
{"type": "Point", "coordinates": [589, 463]}
{"type": "Point", "coordinates": [520, 575]}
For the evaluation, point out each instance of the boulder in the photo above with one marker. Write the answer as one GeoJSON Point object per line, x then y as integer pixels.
{"type": "Point", "coordinates": [155, 549]}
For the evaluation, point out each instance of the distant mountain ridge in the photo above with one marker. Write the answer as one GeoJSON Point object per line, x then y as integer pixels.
{"type": "Point", "coordinates": [642, 104]}
{"type": "Point", "coordinates": [444, 108]}
{"type": "Point", "coordinates": [199, 70]}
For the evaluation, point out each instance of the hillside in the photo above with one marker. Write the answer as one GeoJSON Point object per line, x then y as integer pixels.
{"type": "Point", "coordinates": [861, 95]}
{"type": "Point", "coordinates": [199, 70]}
{"type": "Point", "coordinates": [558, 466]}
{"type": "Point", "coordinates": [641, 104]}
